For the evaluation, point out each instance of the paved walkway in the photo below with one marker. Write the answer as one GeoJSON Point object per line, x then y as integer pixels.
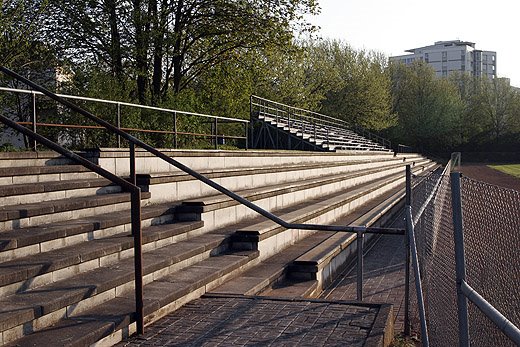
{"type": "Point", "coordinates": [383, 278]}
{"type": "Point", "coordinates": [262, 321]}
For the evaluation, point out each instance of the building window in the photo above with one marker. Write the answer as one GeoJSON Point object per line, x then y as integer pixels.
{"type": "Point", "coordinates": [463, 67]}
{"type": "Point", "coordinates": [426, 58]}
{"type": "Point", "coordinates": [444, 56]}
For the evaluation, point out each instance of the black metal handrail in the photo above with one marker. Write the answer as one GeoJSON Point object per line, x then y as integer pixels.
{"type": "Point", "coordinates": [359, 230]}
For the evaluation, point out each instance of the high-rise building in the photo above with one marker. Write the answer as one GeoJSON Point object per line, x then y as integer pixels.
{"type": "Point", "coordinates": [449, 56]}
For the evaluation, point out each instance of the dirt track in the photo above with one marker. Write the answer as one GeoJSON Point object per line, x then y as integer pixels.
{"type": "Point", "coordinates": [482, 172]}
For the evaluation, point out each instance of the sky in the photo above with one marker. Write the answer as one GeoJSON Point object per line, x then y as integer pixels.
{"type": "Point", "coordinates": [392, 27]}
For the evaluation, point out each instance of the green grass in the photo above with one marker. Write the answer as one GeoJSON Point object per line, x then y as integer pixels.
{"type": "Point", "coordinates": [510, 169]}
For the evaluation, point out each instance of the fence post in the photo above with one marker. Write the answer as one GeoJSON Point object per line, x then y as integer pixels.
{"type": "Point", "coordinates": [460, 266]}
{"type": "Point", "coordinates": [418, 285]}
{"type": "Point", "coordinates": [359, 238]}
{"type": "Point", "coordinates": [407, 261]}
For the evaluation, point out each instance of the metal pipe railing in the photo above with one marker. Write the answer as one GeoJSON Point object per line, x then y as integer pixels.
{"type": "Point", "coordinates": [119, 104]}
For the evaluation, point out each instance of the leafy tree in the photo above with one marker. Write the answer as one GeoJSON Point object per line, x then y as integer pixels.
{"type": "Point", "coordinates": [163, 44]}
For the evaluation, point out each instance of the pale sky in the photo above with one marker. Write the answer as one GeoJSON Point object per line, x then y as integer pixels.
{"type": "Point", "coordinates": [392, 27]}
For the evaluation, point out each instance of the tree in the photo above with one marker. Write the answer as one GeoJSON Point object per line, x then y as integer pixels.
{"type": "Point", "coordinates": [429, 108]}
{"type": "Point", "coordinates": [163, 44]}
{"type": "Point", "coordinates": [361, 93]}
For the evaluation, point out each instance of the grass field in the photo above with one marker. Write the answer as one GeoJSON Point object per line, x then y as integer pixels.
{"type": "Point", "coordinates": [510, 169]}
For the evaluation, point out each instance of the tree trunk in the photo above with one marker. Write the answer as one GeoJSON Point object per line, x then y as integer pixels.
{"type": "Point", "coordinates": [115, 41]}
{"type": "Point", "coordinates": [141, 47]}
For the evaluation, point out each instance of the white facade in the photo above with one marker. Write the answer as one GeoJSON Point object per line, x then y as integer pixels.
{"type": "Point", "coordinates": [449, 56]}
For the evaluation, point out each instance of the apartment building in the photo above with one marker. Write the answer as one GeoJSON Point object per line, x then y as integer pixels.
{"type": "Point", "coordinates": [456, 55]}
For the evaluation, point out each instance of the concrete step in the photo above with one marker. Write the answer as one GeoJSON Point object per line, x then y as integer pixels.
{"type": "Point", "coordinates": [22, 242]}
{"type": "Point", "coordinates": [37, 308]}
{"type": "Point", "coordinates": [108, 323]}
{"type": "Point", "coordinates": [275, 275]}
{"type": "Point", "coordinates": [33, 174]}
{"type": "Point", "coordinates": [219, 210]}
{"type": "Point", "coordinates": [30, 193]}
{"type": "Point", "coordinates": [269, 238]}
{"type": "Point", "coordinates": [39, 269]}
{"type": "Point", "coordinates": [178, 186]}
{"type": "Point", "coordinates": [24, 159]}
{"type": "Point", "coordinates": [27, 215]}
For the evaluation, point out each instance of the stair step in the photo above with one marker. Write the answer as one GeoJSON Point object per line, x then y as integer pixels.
{"type": "Point", "coordinates": [118, 313]}
{"type": "Point", "coordinates": [24, 215]}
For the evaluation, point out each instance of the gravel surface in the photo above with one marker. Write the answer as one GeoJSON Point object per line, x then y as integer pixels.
{"type": "Point", "coordinates": [481, 172]}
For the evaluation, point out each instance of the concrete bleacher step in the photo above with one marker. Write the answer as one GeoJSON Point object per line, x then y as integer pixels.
{"type": "Point", "coordinates": [33, 214]}
{"type": "Point", "coordinates": [33, 174]}
{"type": "Point", "coordinates": [108, 323]}
{"type": "Point", "coordinates": [62, 275]}
{"type": "Point", "coordinates": [323, 253]}
{"type": "Point", "coordinates": [31, 310]}
{"type": "Point", "coordinates": [220, 210]}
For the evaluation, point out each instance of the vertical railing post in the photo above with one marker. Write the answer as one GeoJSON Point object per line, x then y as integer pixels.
{"type": "Point", "coordinates": [407, 258]}
{"type": "Point", "coordinates": [34, 120]}
{"type": "Point", "coordinates": [175, 129]}
{"type": "Point", "coordinates": [138, 260]}
{"type": "Point", "coordinates": [460, 266]}
{"type": "Point", "coordinates": [118, 121]}
{"type": "Point", "coordinates": [138, 252]}
{"type": "Point", "coordinates": [418, 284]}
{"type": "Point", "coordinates": [360, 235]}
{"type": "Point", "coordinates": [132, 164]}
{"type": "Point", "coordinates": [216, 133]}
{"type": "Point", "coordinates": [246, 128]}
{"type": "Point", "coordinates": [251, 122]}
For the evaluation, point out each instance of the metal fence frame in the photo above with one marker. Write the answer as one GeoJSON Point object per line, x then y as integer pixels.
{"type": "Point", "coordinates": [213, 120]}
{"type": "Point", "coordinates": [464, 291]}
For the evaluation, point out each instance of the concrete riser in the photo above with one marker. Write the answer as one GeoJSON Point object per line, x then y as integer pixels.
{"type": "Point", "coordinates": [236, 213]}
{"type": "Point", "coordinates": [118, 162]}
{"type": "Point", "coordinates": [61, 194]}
{"type": "Point", "coordinates": [64, 216]}
{"type": "Point", "coordinates": [182, 190]}
{"type": "Point", "coordinates": [47, 178]}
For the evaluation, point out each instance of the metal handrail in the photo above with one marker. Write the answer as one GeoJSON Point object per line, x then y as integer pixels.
{"type": "Point", "coordinates": [112, 102]}
{"type": "Point", "coordinates": [312, 116]}
{"type": "Point", "coordinates": [131, 139]}
{"type": "Point", "coordinates": [213, 120]}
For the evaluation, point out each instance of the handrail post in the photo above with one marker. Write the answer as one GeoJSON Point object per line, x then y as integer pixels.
{"type": "Point", "coordinates": [34, 120]}
{"type": "Point", "coordinates": [118, 121]}
{"type": "Point", "coordinates": [216, 134]}
{"type": "Point", "coordinates": [138, 259]}
{"type": "Point", "coordinates": [407, 261]}
{"type": "Point", "coordinates": [175, 129]}
{"type": "Point", "coordinates": [133, 179]}
{"type": "Point", "coordinates": [460, 265]}
{"type": "Point", "coordinates": [359, 237]}
{"type": "Point", "coordinates": [246, 128]}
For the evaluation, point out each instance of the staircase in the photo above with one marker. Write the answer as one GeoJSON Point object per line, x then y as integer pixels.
{"type": "Point", "coordinates": [279, 126]}
{"type": "Point", "coordinates": [66, 250]}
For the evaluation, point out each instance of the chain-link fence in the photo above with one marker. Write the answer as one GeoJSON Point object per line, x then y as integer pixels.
{"type": "Point", "coordinates": [491, 220]}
